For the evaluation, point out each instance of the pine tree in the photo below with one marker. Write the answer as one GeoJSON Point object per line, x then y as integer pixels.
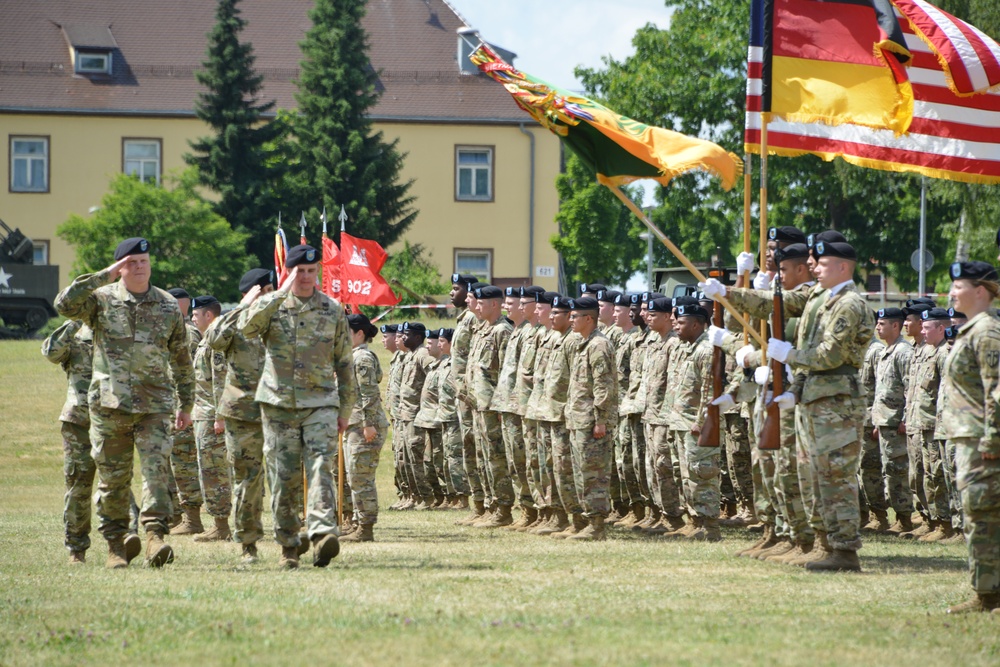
{"type": "Point", "coordinates": [234, 160]}
{"type": "Point", "coordinates": [340, 160]}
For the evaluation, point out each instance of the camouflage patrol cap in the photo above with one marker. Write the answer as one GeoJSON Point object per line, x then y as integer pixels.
{"type": "Point", "coordinates": [608, 295]}
{"type": "Point", "coordinates": [692, 311]}
{"type": "Point", "coordinates": [786, 234]}
{"type": "Point", "coordinates": [935, 314]}
{"type": "Point", "coordinates": [203, 301]}
{"type": "Point", "coordinates": [133, 246]}
{"type": "Point", "coordinates": [890, 314]}
{"type": "Point", "coordinates": [301, 254]}
{"type": "Point", "coordinates": [973, 271]}
{"type": "Point", "coordinates": [261, 277]}
{"type": "Point", "coordinates": [662, 305]}
{"type": "Point", "coordinates": [178, 293]}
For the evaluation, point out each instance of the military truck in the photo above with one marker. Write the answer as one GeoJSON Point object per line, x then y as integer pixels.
{"type": "Point", "coordinates": [678, 281]}
{"type": "Point", "coordinates": [26, 289]}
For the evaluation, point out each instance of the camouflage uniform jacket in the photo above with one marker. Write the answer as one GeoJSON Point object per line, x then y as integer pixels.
{"type": "Point", "coordinates": [892, 377]}
{"type": "Point", "coordinates": [556, 382]}
{"type": "Point", "coordinates": [72, 347]}
{"type": "Point", "coordinates": [592, 393]}
{"type": "Point", "coordinates": [623, 367]}
{"type": "Point", "coordinates": [925, 380]}
{"type": "Point", "coordinates": [447, 400]}
{"type": "Point", "coordinates": [969, 380]}
{"type": "Point", "coordinates": [641, 384]}
{"type": "Point", "coordinates": [655, 368]}
{"type": "Point", "coordinates": [392, 391]}
{"type": "Point", "coordinates": [429, 398]}
{"type": "Point", "coordinates": [614, 334]}
{"type": "Point", "coordinates": [505, 398]}
{"type": "Point", "coordinates": [485, 356]}
{"type": "Point", "coordinates": [412, 376]}
{"type": "Point", "coordinates": [141, 354]}
{"type": "Point", "coordinates": [546, 345]}
{"type": "Point", "coordinates": [692, 384]}
{"type": "Point", "coordinates": [942, 398]}
{"type": "Point", "coordinates": [526, 367]}
{"type": "Point", "coordinates": [461, 342]}
{"type": "Point", "coordinates": [868, 370]}
{"type": "Point", "coordinates": [308, 361]}
{"type": "Point", "coordinates": [209, 378]}
{"type": "Point", "coordinates": [367, 409]}
{"type": "Point", "coordinates": [244, 364]}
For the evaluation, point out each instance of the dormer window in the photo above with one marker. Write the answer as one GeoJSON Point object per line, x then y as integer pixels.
{"type": "Point", "coordinates": [93, 63]}
{"type": "Point", "coordinates": [91, 48]}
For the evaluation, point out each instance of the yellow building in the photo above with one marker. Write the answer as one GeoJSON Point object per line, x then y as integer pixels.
{"type": "Point", "coordinates": [89, 90]}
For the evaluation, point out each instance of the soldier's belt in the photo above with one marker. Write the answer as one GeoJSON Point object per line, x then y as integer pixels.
{"type": "Point", "coordinates": [840, 370]}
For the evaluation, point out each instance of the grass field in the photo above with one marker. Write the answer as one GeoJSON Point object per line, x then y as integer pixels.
{"type": "Point", "coordinates": [429, 592]}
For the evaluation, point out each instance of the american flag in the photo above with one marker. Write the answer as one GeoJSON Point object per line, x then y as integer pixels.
{"type": "Point", "coordinates": [955, 133]}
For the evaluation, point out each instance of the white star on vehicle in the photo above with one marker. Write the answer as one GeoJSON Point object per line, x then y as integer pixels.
{"type": "Point", "coordinates": [5, 278]}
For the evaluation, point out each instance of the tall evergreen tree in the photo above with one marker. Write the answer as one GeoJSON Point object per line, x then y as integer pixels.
{"type": "Point", "coordinates": [234, 160]}
{"type": "Point", "coordinates": [339, 159]}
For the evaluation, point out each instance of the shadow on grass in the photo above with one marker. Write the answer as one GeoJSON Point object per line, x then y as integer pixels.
{"type": "Point", "coordinates": [914, 564]}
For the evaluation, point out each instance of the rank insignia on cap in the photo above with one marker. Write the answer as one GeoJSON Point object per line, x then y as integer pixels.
{"type": "Point", "coordinates": [310, 255]}
{"type": "Point", "coordinates": [956, 270]}
{"type": "Point", "coordinates": [772, 233]}
{"type": "Point", "coordinates": [144, 245]}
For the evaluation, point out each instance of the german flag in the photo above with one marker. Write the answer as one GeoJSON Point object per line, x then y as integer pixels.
{"type": "Point", "coordinates": [834, 62]}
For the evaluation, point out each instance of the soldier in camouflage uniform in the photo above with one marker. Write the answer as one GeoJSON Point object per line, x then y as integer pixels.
{"type": "Point", "coordinates": [238, 409]}
{"type": "Point", "coordinates": [971, 422]}
{"type": "Point", "coordinates": [465, 325]}
{"type": "Point", "coordinates": [912, 327]}
{"type": "Point", "coordinates": [416, 365]}
{"type": "Point", "coordinates": [426, 424]}
{"type": "Point", "coordinates": [141, 360]}
{"type": "Point", "coordinates": [631, 498]}
{"type": "Point", "coordinates": [366, 431]}
{"type": "Point", "coordinates": [392, 341]}
{"type": "Point", "coordinates": [891, 380]}
{"type": "Point", "coordinates": [210, 381]}
{"type": "Point", "coordinates": [523, 384]}
{"type": "Point", "coordinates": [872, 496]}
{"type": "Point", "coordinates": [306, 392]}
{"type": "Point", "coordinates": [532, 372]}
{"type": "Point", "coordinates": [451, 431]}
{"type": "Point", "coordinates": [631, 406]}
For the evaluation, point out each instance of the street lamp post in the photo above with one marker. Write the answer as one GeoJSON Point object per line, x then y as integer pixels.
{"type": "Point", "coordinates": [649, 259]}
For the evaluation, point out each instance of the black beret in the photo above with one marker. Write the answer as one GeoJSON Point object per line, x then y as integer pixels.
{"type": "Point", "coordinates": [835, 249]}
{"type": "Point", "coordinates": [623, 299]}
{"type": "Point", "coordinates": [389, 329]}
{"type": "Point", "coordinates": [547, 297]}
{"type": "Point", "coordinates": [463, 279]}
{"type": "Point", "coordinates": [921, 299]}
{"type": "Point", "coordinates": [178, 293]}
{"type": "Point", "coordinates": [584, 303]}
{"type": "Point", "coordinates": [261, 277]}
{"type": "Point", "coordinates": [786, 234]}
{"type": "Point", "coordinates": [950, 332]}
{"type": "Point", "coordinates": [301, 254]}
{"type": "Point", "coordinates": [488, 292]}
{"type": "Point", "coordinates": [890, 314]}
{"type": "Point", "coordinates": [591, 287]}
{"type": "Point", "coordinates": [828, 235]}
{"type": "Point", "coordinates": [433, 334]}
{"type": "Point", "coordinates": [133, 246]}
{"type": "Point", "coordinates": [561, 302]}
{"type": "Point", "coordinates": [608, 295]}
{"type": "Point", "coordinates": [692, 311]}
{"type": "Point", "coordinates": [476, 285]}
{"type": "Point", "coordinates": [512, 291]}
{"type": "Point", "coordinates": [416, 327]}
{"type": "Point", "coordinates": [662, 305]}
{"type": "Point", "coordinates": [917, 308]}
{"type": "Point", "coordinates": [935, 314]}
{"type": "Point", "coordinates": [531, 292]}
{"type": "Point", "coordinates": [649, 296]}
{"type": "Point", "coordinates": [634, 299]}
{"type": "Point", "coordinates": [446, 334]}
{"type": "Point", "coordinates": [973, 271]}
{"type": "Point", "coordinates": [360, 322]}
{"type": "Point", "coordinates": [793, 251]}
{"type": "Point", "coordinates": [688, 300]}
{"type": "Point", "coordinates": [957, 313]}
{"type": "Point", "coordinates": [203, 301]}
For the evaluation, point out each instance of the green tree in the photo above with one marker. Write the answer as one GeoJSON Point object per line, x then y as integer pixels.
{"type": "Point", "coordinates": [192, 246]}
{"type": "Point", "coordinates": [598, 237]}
{"type": "Point", "coordinates": [234, 160]}
{"type": "Point", "coordinates": [340, 160]}
{"type": "Point", "coordinates": [413, 277]}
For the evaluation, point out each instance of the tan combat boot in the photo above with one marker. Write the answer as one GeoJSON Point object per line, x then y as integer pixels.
{"type": "Point", "coordinates": [673, 523]}
{"type": "Point", "coordinates": [133, 547]}
{"type": "Point", "coordinates": [528, 516]}
{"type": "Point", "coordinates": [77, 557]}
{"type": "Point", "coordinates": [651, 518]}
{"type": "Point", "coordinates": [461, 503]}
{"type": "Point", "coordinates": [682, 531]}
{"type": "Point", "coordinates": [477, 512]}
{"type": "Point", "coordinates": [840, 560]}
{"type": "Point", "coordinates": [799, 550]}
{"type": "Point", "coordinates": [219, 533]}
{"type": "Point", "coordinates": [303, 544]}
{"type": "Point", "coordinates": [541, 517]}
{"type": "Point", "coordinates": [708, 530]}
{"type": "Point", "coordinates": [190, 523]}
{"type": "Point", "coordinates": [578, 524]}
{"type": "Point", "coordinates": [249, 555]}
{"type": "Point", "coordinates": [767, 540]}
{"type": "Point", "coordinates": [498, 519]}
{"type": "Point", "coordinates": [116, 554]}
{"type": "Point", "coordinates": [821, 550]}
{"type": "Point", "coordinates": [925, 528]}
{"type": "Point", "coordinates": [784, 546]}
{"type": "Point", "coordinates": [158, 552]}
{"type": "Point", "coordinates": [289, 558]}
{"type": "Point", "coordinates": [325, 549]}
{"type": "Point", "coordinates": [558, 522]}
{"type": "Point", "coordinates": [594, 532]}
{"type": "Point", "coordinates": [904, 524]}
{"type": "Point", "coordinates": [943, 532]}
{"type": "Point", "coordinates": [879, 522]}
{"type": "Point", "coordinates": [983, 602]}
{"type": "Point", "coordinates": [362, 534]}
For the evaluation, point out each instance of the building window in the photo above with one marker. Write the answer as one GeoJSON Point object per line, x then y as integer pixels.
{"type": "Point", "coordinates": [93, 63]}
{"type": "Point", "coordinates": [473, 173]}
{"type": "Point", "coordinates": [41, 255]}
{"type": "Point", "coordinates": [142, 159]}
{"type": "Point", "coordinates": [478, 263]}
{"type": "Point", "coordinates": [29, 164]}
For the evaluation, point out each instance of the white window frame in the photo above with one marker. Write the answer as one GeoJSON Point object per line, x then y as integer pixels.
{"type": "Point", "coordinates": [43, 247]}
{"type": "Point", "coordinates": [29, 158]}
{"type": "Point", "coordinates": [104, 56]}
{"type": "Point", "coordinates": [141, 161]}
{"type": "Point", "coordinates": [489, 167]}
{"type": "Point", "coordinates": [475, 252]}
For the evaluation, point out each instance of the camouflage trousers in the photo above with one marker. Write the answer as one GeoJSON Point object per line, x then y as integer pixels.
{"type": "Point", "coordinates": [564, 493]}
{"type": "Point", "coordinates": [471, 462]}
{"type": "Point", "coordinates": [492, 457]}
{"type": "Point", "coordinates": [896, 469]}
{"type": "Point", "coordinates": [406, 483]}
{"type": "Point", "coordinates": [628, 477]}
{"type": "Point", "coordinates": [935, 490]}
{"type": "Point", "coordinates": [915, 472]}
{"type": "Point", "coordinates": [762, 460]}
{"type": "Point", "coordinates": [516, 455]}
{"type": "Point", "coordinates": [591, 461]}
{"type": "Point", "coordinates": [700, 474]}
{"type": "Point", "coordinates": [873, 497]}
{"type": "Point", "coordinates": [954, 495]}
{"type": "Point", "coordinates": [245, 446]}
{"type": "Point", "coordinates": [454, 465]}
{"type": "Point", "coordinates": [293, 437]}
{"type": "Point", "coordinates": [78, 473]}
{"type": "Point", "coordinates": [115, 436]}
{"type": "Point", "coordinates": [361, 461]}
{"type": "Point", "coordinates": [537, 442]}
{"type": "Point", "coordinates": [979, 482]}
{"type": "Point", "coordinates": [787, 491]}
{"type": "Point", "coordinates": [829, 453]}
{"type": "Point", "coordinates": [213, 469]}
{"type": "Point", "coordinates": [662, 483]}
{"type": "Point", "coordinates": [738, 457]}
{"type": "Point", "coordinates": [184, 466]}
{"type": "Point", "coordinates": [414, 443]}
{"type": "Point", "coordinates": [433, 459]}
{"type": "Point", "coordinates": [639, 450]}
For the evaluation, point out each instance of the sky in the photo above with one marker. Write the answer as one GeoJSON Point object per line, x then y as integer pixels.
{"type": "Point", "coordinates": [552, 38]}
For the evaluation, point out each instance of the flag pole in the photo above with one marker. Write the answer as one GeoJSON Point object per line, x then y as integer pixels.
{"type": "Point", "coordinates": [747, 203]}
{"type": "Point", "coordinates": [681, 257]}
{"type": "Point", "coordinates": [764, 119]}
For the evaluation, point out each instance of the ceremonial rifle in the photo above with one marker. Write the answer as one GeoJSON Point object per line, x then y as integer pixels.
{"type": "Point", "coordinates": [710, 430]}
{"type": "Point", "coordinates": [770, 434]}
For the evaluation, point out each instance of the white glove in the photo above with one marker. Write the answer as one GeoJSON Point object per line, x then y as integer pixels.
{"type": "Point", "coordinates": [778, 349]}
{"type": "Point", "coordinates": [741, 355]}
{"type": "Point", "coordinates": [717, 335]}
{"type": "Point", "coordinates": [789, 374]}
{"type": "Point", "coordinates": [762, 375]}
{"type": "Point", "coordinates": [744, 263]}
{"type": "Point", "coordinates": [713, 289]}
{"type": "Point", "coordinates": [724, 402]}
{"type": "Point", "coordinates": [785, 401]}
{"type": "Point", "coordinates": [762, 281]}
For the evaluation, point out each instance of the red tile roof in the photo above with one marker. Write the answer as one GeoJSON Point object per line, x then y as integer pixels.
{"type": "Point", "coordinates": [160, 44]}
